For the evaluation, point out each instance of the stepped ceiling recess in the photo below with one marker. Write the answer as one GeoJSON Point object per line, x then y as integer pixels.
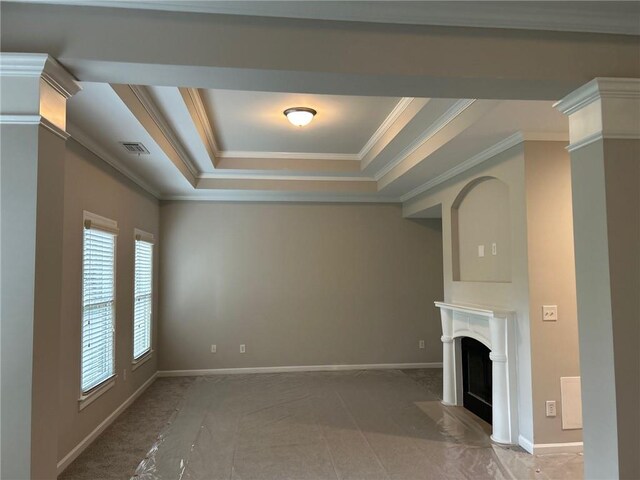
{"type": "Point", "coordinates": [208, 108]}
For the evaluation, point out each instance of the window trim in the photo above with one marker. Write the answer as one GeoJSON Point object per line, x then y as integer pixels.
{"type": "Point", "coordinates": [142, 236]}
{"type": "Point", "coordinates": [98, 222]}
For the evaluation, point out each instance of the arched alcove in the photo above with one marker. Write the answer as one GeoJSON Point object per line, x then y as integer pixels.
{"type": "Point", "coordinates": [480, 220]}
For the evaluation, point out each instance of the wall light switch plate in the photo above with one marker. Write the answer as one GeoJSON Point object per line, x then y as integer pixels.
{"type": "Point", "coordinates": [242, 348]}
{"type": "Point", "coordinates": [550, 313]}
{"type": "Point", "coordinates": [214, 349]}
{"type": "Point", "coordinates": [494, 249]}
{"type": "Point", "coordinates": [481, 250]}
{"type": "Point", "coordinates": [421, 344]}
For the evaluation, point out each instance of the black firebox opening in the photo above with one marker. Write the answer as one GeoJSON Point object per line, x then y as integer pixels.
{"type": "Point", "coordinates": [476, 378]}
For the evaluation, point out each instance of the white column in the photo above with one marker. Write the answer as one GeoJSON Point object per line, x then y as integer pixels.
{"type": "Point", "coordinates": [501, 428]}
{"type": "Point", "coordinates": [448, 359]}
{"type": "Point", "coordinates": [604, 124]}
{"type": "Point", "coordinates": [34, 91]}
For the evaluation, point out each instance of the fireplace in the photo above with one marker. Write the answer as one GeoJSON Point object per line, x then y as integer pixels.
{"type": "Point", "coordinates": [463, 328]}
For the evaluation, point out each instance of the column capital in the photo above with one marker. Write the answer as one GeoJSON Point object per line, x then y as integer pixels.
{"type": "Point", "coordinates": [602, 108]}
{"type": "Point", "coordinates": [35, 89]}
{"type": "Point", "coordinates": [39, 65]}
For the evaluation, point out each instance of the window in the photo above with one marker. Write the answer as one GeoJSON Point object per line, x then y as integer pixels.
{"type": "Point", "coordinates": [98, 300]}
{"type": "Point", "coordinates": [143, 294]}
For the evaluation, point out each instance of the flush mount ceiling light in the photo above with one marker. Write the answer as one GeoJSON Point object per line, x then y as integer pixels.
{"type": "Point", "coordinates": [300, 116]}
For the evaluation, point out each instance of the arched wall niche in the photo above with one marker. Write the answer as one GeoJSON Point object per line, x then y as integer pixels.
{"type": "Point", "coordinates": [480, 218]}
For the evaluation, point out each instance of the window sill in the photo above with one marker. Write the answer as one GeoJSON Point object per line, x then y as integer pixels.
{"type": "Point", "coordinates": [87, 399]}
{"type": "Point", "coordinates": [140, 360]}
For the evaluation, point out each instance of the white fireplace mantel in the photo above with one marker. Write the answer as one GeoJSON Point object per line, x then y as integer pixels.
{"type": "Point", "coordinates": [495, 328]}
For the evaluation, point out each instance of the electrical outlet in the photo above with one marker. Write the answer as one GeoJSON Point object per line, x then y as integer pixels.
{"type": "Point", "coordinates": [551, 408]}
{"type": "Point", "coordinates": [481, 250]}
{"type": "Point", "coordinates": [494, 249]}
{"type": "Point", "coordinates": [214, 349]}
{"type": "Point", "coordinates": [242, 348]}
{"type": "Point", "coordinates": [421, 344]}
{"type": "Point", "coordinates": [549, 313]}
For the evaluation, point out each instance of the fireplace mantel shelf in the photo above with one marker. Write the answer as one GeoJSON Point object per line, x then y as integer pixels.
{"type": "Point", "coordinates": [480, 310]}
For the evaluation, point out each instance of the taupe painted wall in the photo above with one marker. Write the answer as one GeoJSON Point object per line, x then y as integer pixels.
{"type": "Point", "coordinates": [538, 177]}
{"type": "Point", "coordinates": [92, 185]}
{"type": "Point", "coordinates": [483, 219]}
{"type": "Point", "coordinates": [552, 280]}
{"type": "Point", "coordinates": [299, 284]}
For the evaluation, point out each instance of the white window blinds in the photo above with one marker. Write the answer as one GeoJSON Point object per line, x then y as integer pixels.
{"type": "Point", "coordinates": [143, 295]}
{"type": "Point", "coordinates": [98, 301]}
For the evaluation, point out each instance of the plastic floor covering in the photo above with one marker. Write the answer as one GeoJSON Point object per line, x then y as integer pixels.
{"type": "Point", "coordinates": [362, 425]}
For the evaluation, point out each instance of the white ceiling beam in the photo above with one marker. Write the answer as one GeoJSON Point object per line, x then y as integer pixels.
{"type": "Point", "coordinates": [146, 112]}
{"type": "Point", "coordinates": [274, 54]}
{"type": "Point", "coordinates": [590, 16]}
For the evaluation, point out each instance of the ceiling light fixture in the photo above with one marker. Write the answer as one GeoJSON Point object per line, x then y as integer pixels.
{"type": "Point", "coordinates": [300, 116]}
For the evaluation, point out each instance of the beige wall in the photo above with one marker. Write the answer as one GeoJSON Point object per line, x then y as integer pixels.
{"type": "Point", "coordinates": [90, 184]}
{"type": "Point", "coordinates": [483, 219]}
{"type": "Point", "coordinates": [299, 284]}
{"type": "Point", "coordinates": [552, 280]}
{"type": "Point", "coordinates": [545, 352]}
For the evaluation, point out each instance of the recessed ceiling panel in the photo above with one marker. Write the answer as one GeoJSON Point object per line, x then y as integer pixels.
{"type": "Point", "coordinates": [254, 121]}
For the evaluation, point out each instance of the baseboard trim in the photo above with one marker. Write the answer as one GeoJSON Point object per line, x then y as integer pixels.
{"type": "Point", "coordinates": [549, 448]}
{"type": "Point", "coordinates": [78, 449]}
{"type": "Point", "coordinates": [305, 368]}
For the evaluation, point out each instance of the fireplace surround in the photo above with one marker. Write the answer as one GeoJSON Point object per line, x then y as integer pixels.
{"type": "Point", "coordinates": [494, 328]}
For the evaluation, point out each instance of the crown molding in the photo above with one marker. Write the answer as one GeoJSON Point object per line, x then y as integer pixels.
{"type": "Point", "coordinates": [204, 126]}
{"type": "Point", "coordinates": [152, 109]}
{"type": "Point", "coordinates": [477, 159]}
{"type": "Point", "coordinates": [39, 65]}
{"type": "Point", "coordinates": [601, 87]}
{"type": "Point", "coordinates": [201, 120]}
{"type": "Point", "coordinates": [290, 155]}
{"type": "Point", "coordinates": [266, 196]}
{"type": "Point", "coordinates": [445, 119]}
{"type": "Point", "coordinates": [400, 107]}
{"type": "Point", "coordinates": [253, 175]}
{"type": "Point", "coordinates": [87, 142]}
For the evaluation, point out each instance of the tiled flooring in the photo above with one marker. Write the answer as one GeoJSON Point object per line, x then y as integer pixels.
{"type": "Point", "coordinates": [321, 425]}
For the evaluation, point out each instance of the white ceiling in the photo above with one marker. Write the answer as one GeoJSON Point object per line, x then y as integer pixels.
{"type": "Point", "coordinates": [254, 121]}
{"type": "Point", "coordinates": [408, 146]}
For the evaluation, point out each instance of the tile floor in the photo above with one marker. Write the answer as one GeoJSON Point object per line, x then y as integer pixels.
{"type": "Point", "coordinates": [318, 425]}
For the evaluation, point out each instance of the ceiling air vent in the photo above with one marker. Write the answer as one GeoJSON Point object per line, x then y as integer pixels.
{"type": "Point", "coordinates": [135, 147]}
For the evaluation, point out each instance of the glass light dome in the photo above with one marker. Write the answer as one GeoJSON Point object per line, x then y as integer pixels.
{"type": "Point", "coordinates": [300, 116]}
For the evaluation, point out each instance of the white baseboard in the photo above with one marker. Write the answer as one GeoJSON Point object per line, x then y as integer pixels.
{"type": "Point", "coordinates": [306, 368]}
{"type": "Point", "coordinates": [78, 449]}
{"type": "Point", "coordinates": [549, 448]}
